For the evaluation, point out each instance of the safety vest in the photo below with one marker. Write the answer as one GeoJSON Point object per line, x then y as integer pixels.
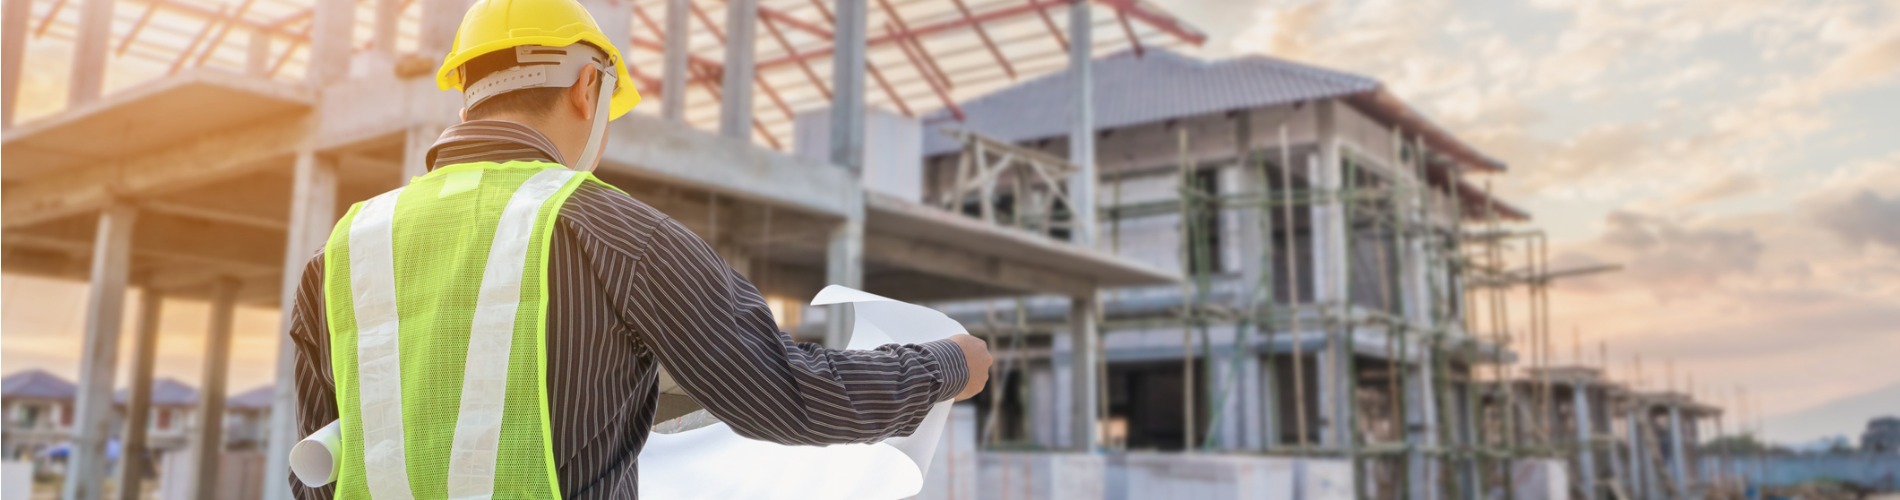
{"type": "Point", "coordinates": [436, 295]}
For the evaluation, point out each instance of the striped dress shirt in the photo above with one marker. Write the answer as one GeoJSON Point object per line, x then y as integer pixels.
{"type": "Point", "coordinates": [630, 289]}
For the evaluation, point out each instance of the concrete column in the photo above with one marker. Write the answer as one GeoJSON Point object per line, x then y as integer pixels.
{"type": "Point", "coordinates": [257, 55]}
{"type": "Point", "coordinates": [673, 64]}
{"type": "Point", "coordinates": [735, 93]}
{"type": "Point", "coordinates": [14, 15]}
{"type": "Point", "coordinates": [105, 307]}
{"type": "Point", "coordinates": [383, 32]}
{"type": "Point", "coordinates": [1678, 466]}
{"type": "Point", "coordinates": [415, 150]}
{"type": "Point", "coordinates": [90, 46]}
{"type": "Point", "coordinates": [844, 265]}
{"type": "Point", "coordinates": [1082, 122]}
{"type": "Point", "coordinates": [1251, 397]}
{"type": "Point", "coordinates": [1619, 471]}
{"type": "Point", "coordinates": [1085, 352]}
{"type": "Point", "coordinates": [615, 18]}
{"type": "Point", "coordinates": [847, 85]}
{"type": "Point", "coordinates": [1586, 451]}
{"type": "Point", "coordinates": [330, 45]}
{"type": "Point", "coordinates": [1474, 479]}
{"type": "Point", "coordinates": [437, 25]}
{"type": "Point", "coordinates": [207, 443]}
{"type": "Point", "coordinates": [132, 463]}
{"type": "Point", "coordinates": [312, 213]}
{"type": "Point", "coordinates": [1639, 472]}
{"type": "Point", "coordinates": [1330, 278]}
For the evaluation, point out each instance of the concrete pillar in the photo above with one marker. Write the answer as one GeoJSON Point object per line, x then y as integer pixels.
{"type": "Point", "coordinates": [1619, 471]}
{"type": "Point", "coordinates": [207, 443]}
{"type": "Point", "coordinates": [847, 85]}
{"type": "Point", "coordinates": [673, 64]}
{"type": "Point", "coordinates": [98, 363]}
{"type": "Point", "coordinates": [735, 93]}
{"type": "Point", "coordinates": [1473, 475]}
{"type": "Point", "coordinates": [14, 15]}
{"type": "Point", "coordinates": [1253, 397]}
{"type": "Point", "coordinates": [1678, 460]}
{"type": "Point", "coordinates": [1639, 471]}
{"type": "Point", "coordinates": [415, 150]}
{"type": "Point", "coordinates": [90, 46]}
{"type": "Point", "coordinates": [132, 463]}
{"type": "Point", "coordinates": [1330, 278]}
{"type": "Point", "coordinates": [1586, 450]}
{"type": "Point", "coordinates": [1082, 122]}
{"type": "Point", "coordinates": [330, 45]}
{"type": "Point", "coordinates": [257, 54]}
{"type": "Point", "coordinates": [615, 18]}
{"type": "Point", "coordinates": [844, 265]}
{"type": "Point", "coordinates": [383, 31]}
{"type": "Point", "coordinates": [312, 213]}
{"type": "Point", "coordinates": [437, 25]}
{"type": "Point", "coordinates": [1085, 353]}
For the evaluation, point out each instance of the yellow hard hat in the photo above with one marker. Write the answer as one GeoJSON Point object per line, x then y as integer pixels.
{"type": "Point", "coordinates": [497, 25]}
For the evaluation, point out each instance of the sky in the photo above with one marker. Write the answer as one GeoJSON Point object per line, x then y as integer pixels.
{"type": "Point", "coordinates": [1737, 157]}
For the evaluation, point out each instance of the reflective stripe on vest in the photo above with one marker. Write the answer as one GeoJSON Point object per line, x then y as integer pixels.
{"type": "Point", "coordinates": [378, 362]}
{"type": "Point", "coordinates": [485, 378]}
{"type": "Point", "coordinates": [421, 257]}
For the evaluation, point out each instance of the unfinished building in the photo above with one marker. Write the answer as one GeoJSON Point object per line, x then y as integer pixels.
{"type": "Point", "coordinates": [1277, 276]}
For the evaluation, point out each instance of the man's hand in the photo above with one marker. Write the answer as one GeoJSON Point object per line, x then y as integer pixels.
{"type": "Point", "coordinates": [976, 354]}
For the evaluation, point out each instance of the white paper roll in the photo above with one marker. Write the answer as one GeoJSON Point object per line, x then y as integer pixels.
{"type": "Point", "coordinates": [314, 458]}
{"type": "Point", "coordinates": [715, 462]}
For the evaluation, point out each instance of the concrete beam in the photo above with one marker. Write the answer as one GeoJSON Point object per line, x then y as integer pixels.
{"type": "Point", "coordinates": [207, 443]}
{"type": "Point", "coordinates": [312, 213]}
{"type": "Point", "coordinates": [196, 162]}
{"type": "Point", "coordinates": [847, 85]}
{"type": "Point", "coordinates": [1678, 460]}
{"type": "Point", "coordinates": [14, 15]}
{"type": "Point", "coordinates": [1082, 123]}
{"type": "Point", "coordinates": [993, 270]}
{"type": "Point", "coordinates": [735, 93]}
{"type": "Point", "coordinates": [98, 364]}
{"type": "Point", "coordinates": [673, 62]}
{"type": "Point", "coordinates": [132, 464]}
{"type": "Point", "coordinates": [90, 46]}
{"type": "Point", "coordinates": [654, 149]}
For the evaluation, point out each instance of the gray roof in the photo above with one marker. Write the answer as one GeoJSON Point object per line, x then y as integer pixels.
{"type": "Point", "coordinates": [37, 384]}
{"type": "Point", "coordinates": [259, 398]}
{"type": "Point", "coordinates": [1132, 90]}
{"type": "Point", "coordinates": [165, 392]}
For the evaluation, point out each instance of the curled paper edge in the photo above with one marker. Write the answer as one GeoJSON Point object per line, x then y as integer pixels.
{"type": "Point", "coordinates": [315, 456]}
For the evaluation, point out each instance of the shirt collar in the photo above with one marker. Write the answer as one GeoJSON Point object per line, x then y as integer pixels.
{"type": "Point", "coordinates": [491, 140]}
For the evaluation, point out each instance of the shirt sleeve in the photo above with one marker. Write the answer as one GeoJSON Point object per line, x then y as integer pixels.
{"type": "Point", "coordinates": [713, 332]}
{"type": "Point", "coordinates": [316, 389]}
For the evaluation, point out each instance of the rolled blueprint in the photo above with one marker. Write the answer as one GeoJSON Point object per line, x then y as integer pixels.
{"type": "Point", "coordinates": [314, 458]}
{"type": "Point", "coordinates": [715, 462]}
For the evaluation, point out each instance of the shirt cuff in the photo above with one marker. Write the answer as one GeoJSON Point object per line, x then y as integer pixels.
{"type": "Point", "coordinates": [950, 363]}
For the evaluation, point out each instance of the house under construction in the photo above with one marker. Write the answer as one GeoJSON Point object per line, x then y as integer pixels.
{"type": "Point", "coordinates": [1246, 278]}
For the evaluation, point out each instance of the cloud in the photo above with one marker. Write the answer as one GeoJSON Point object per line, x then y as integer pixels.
{"type": "Point", "coordinates": [1728, 186]}
{"type": "Point", "coordinates": [1866, 218]}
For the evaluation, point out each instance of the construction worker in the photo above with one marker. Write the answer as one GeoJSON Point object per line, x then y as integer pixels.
{"type": "Point", "coordinates": [495, 328]}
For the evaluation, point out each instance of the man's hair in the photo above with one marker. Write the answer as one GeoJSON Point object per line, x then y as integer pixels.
{"type": "Point", "coordinates": [533, 102]}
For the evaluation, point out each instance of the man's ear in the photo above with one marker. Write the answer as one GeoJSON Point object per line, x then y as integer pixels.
{"type": "Point", "coordinates": [464, 113]}
{"type": "Point", "coordinates": [581, 95]}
